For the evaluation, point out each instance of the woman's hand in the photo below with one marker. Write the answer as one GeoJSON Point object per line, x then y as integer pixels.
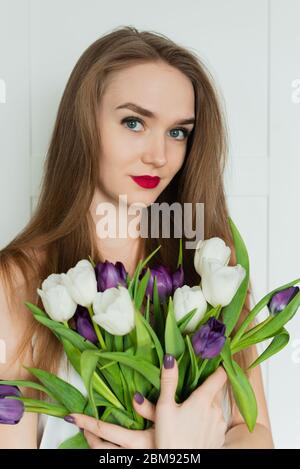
{"type": "Point", "coordinates": [196, 423]}
{"type": "Point", "coordinates": [103, 435]}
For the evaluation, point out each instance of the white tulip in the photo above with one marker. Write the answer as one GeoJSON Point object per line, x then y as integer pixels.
{"type": "Point", "coordinates": [213, 248]}
{"type": "Point", "coordinates": [81, 283]}
{"type": "Point", "coordinates": [220, 283]}
{"type": "Point", "coordinates": [56, 299]}
{"type": "Point", "coordinates": [187, 298]}
{"type": "Point", "coordinates": [114, 311]}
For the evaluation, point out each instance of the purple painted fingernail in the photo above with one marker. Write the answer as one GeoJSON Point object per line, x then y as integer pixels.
{"type": "Point", "coordinates": [168, 361]}
{"type": "Point", "coordinates": [139, 398]}
{"type": "Point", "coordinates": [69, 418]}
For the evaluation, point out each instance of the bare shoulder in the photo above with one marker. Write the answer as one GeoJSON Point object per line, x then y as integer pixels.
{"type": "Point", "coordinates": [14, 321]}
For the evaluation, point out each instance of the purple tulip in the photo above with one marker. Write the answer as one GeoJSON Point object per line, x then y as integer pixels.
{"type": "Point", "coordinates": [163, 281]}
{"type": "Point", "coordinates": [281, 299]}
{"type": "Point", "coordinates": [84, 325]}
{"type": "Point", "coordinates": [178, 278]}
{"type": "Point", "coordinates": [166, 282]}
{"type": "Point", "coordinates": [11, 410]}
{"type": "Point", "coordinates": [109, 275]}
{"type": "Point", "coordinates": [209, 340]}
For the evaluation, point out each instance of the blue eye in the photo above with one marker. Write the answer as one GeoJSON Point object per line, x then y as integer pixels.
{"type": "Point", "coordinates": [184, 131]}
{"type": "Point", "coordinates": [133, 120]}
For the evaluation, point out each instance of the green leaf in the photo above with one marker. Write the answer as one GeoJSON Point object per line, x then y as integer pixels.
{"type": "Point", "coordinates": [183, 371]}
{"type": "Point", "coordinates": [35, 309]}
{"type": "Point", "coordinates": [99, 402]}
{"type": "Point", "coordinates": [149, 371]}
{"type": "Point", "coordinates": [174, 341]}
{"type": "Point", "coordinates": [108, 417]}
{"type": "Point", "coordinates": [256, 328]}
{"type": "Point", "coordinates": [133, 284]}
{"type": "Point", "coordinates": [72, 353]}
{"type": "Point", "coordinates": [194, 368]}
{"type": "Point", "coordinates": [159, 323]}
{"type": "Point", "coordinates": [132, 287]}
{"type": "Point", "coordinates": [142, 286]}
{"type": "Point", "coordinates": [145, 262]}
{"type": "Point", "coordinates": [74, 356]}
{"type": "Point", "coordinates": [63, 392]}
{"type": "Point", "coordinates": [277, 344]}
{"type": "Point", "coordinates": [242, 390]}
{"type": "Point", "coordinates": [143, 338]}
{"type": "Point", "coordinates": [147, 309]}
{"type": "Point", "coordinates": [254, 312]}
{"type": "Point", "coordinates": [183, 322]}
{"type": "Point", "coordinates": [111, 374]}
{"type": "Point", "coordinates": [179, 261]}
{"type": "Point", "coordinates": [126, 375]}
{"type": "Point", "coordinates": [154, 340]}
{"type": "Point", "coordinates": [271, 327]}
{"type": "Point", "coordinates": [109, 341]}
{"type": "Point", "coordinates": [77, 441]}
{"type": "Point", "coordinates": [118, 342]}
{"type": "Point", "coordinates": [88, 363]}
{"type": "Point", "coordinates": [144, 350]}
{"type": "Point", "coordinates": [64, 333]}
{"type": "Point", "coordinates": [125, 421]}
{"type": "Point", "coordinates": [129, 387]}
{"type": "Point", "coordinates": [207, 367]}
{"type": "Point", "coordinates": [28, 384]}
{"type": "Point", "coordinates": [144, 341]}
{"type": "Point", "coordinates": [101, 387]}
{"type": "Point", "coordinates": [231, 313]}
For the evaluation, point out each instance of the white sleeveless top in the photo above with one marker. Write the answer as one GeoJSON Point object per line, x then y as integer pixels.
{"type": "Point", "coordinates": [52, 431]}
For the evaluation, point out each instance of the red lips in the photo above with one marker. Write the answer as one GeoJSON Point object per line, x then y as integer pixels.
{"type": "Point", "coordinates": [148, 182]}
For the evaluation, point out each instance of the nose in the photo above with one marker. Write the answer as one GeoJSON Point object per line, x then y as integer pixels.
{"type": "Point", "coordinates": [155, 153]}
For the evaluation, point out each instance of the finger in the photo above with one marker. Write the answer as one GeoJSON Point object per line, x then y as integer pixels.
{"type": "Point", "coordinates": [168, 380]}
{"type": "Point", "coordinates": [219, 397]}
{"type": "Point", "coordinates": [212, 385]}
{"type": "Point", "coordinates": [144, 407]}
{"type": "Point", "coordinates": [95, 442]}
{"type": "Point", "coordinates": [107, 431]}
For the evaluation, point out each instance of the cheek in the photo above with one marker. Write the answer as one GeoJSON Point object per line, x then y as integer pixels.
{"type": "Point", "coordinates": [176, 163]}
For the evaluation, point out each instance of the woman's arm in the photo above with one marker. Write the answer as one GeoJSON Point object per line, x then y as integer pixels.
{"type": "Point", "coordinates": [238, 435]}
{"type": "Point", "coordinates": [12, 326]}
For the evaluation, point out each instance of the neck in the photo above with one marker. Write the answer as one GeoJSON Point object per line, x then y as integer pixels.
{"type": "Point", "coordinates": [115, 244]}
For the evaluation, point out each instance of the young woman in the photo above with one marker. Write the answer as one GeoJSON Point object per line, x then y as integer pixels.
{"type": "Point", "coordinates": [135, 104]}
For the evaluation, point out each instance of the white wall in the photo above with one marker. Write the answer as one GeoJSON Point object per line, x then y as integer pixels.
{"type": "Point", "coordinates": [252, 48]}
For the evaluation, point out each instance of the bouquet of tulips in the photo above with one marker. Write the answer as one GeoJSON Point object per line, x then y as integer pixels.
{"type": "Point", "coordinates": [115, 331]}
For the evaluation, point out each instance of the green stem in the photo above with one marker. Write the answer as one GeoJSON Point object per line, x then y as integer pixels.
{"type": "Point", "coordinates": [218, 311]}
{"type": "Point", "coordinates": [257, 328]}
{"type": "Point", "coordinates": [238, 337]}
{"type": "Point", "coordinates": [97, 330]}
{"type": "Point", "coordinates": [202, 368]}
{"type": "Point", "coordinates": [66, 324]}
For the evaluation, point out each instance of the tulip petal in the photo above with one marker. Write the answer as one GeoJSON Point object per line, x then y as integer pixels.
{"type": "Point", "coordinates": [281, 299]}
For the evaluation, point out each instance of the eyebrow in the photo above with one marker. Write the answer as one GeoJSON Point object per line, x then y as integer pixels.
{"type": "Point", "coordinates": [147, 113]}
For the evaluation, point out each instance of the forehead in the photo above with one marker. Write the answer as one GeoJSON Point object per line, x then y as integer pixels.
{"type": "Point", "coordinates": [158, 87]}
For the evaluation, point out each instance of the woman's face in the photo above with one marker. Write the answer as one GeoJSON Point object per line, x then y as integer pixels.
{"type": "Point", "coordinates": [136, 144]}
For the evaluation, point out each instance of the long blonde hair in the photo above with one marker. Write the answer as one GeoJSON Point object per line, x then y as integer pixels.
{"type": "Point", "coordinates": [60, 229]}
